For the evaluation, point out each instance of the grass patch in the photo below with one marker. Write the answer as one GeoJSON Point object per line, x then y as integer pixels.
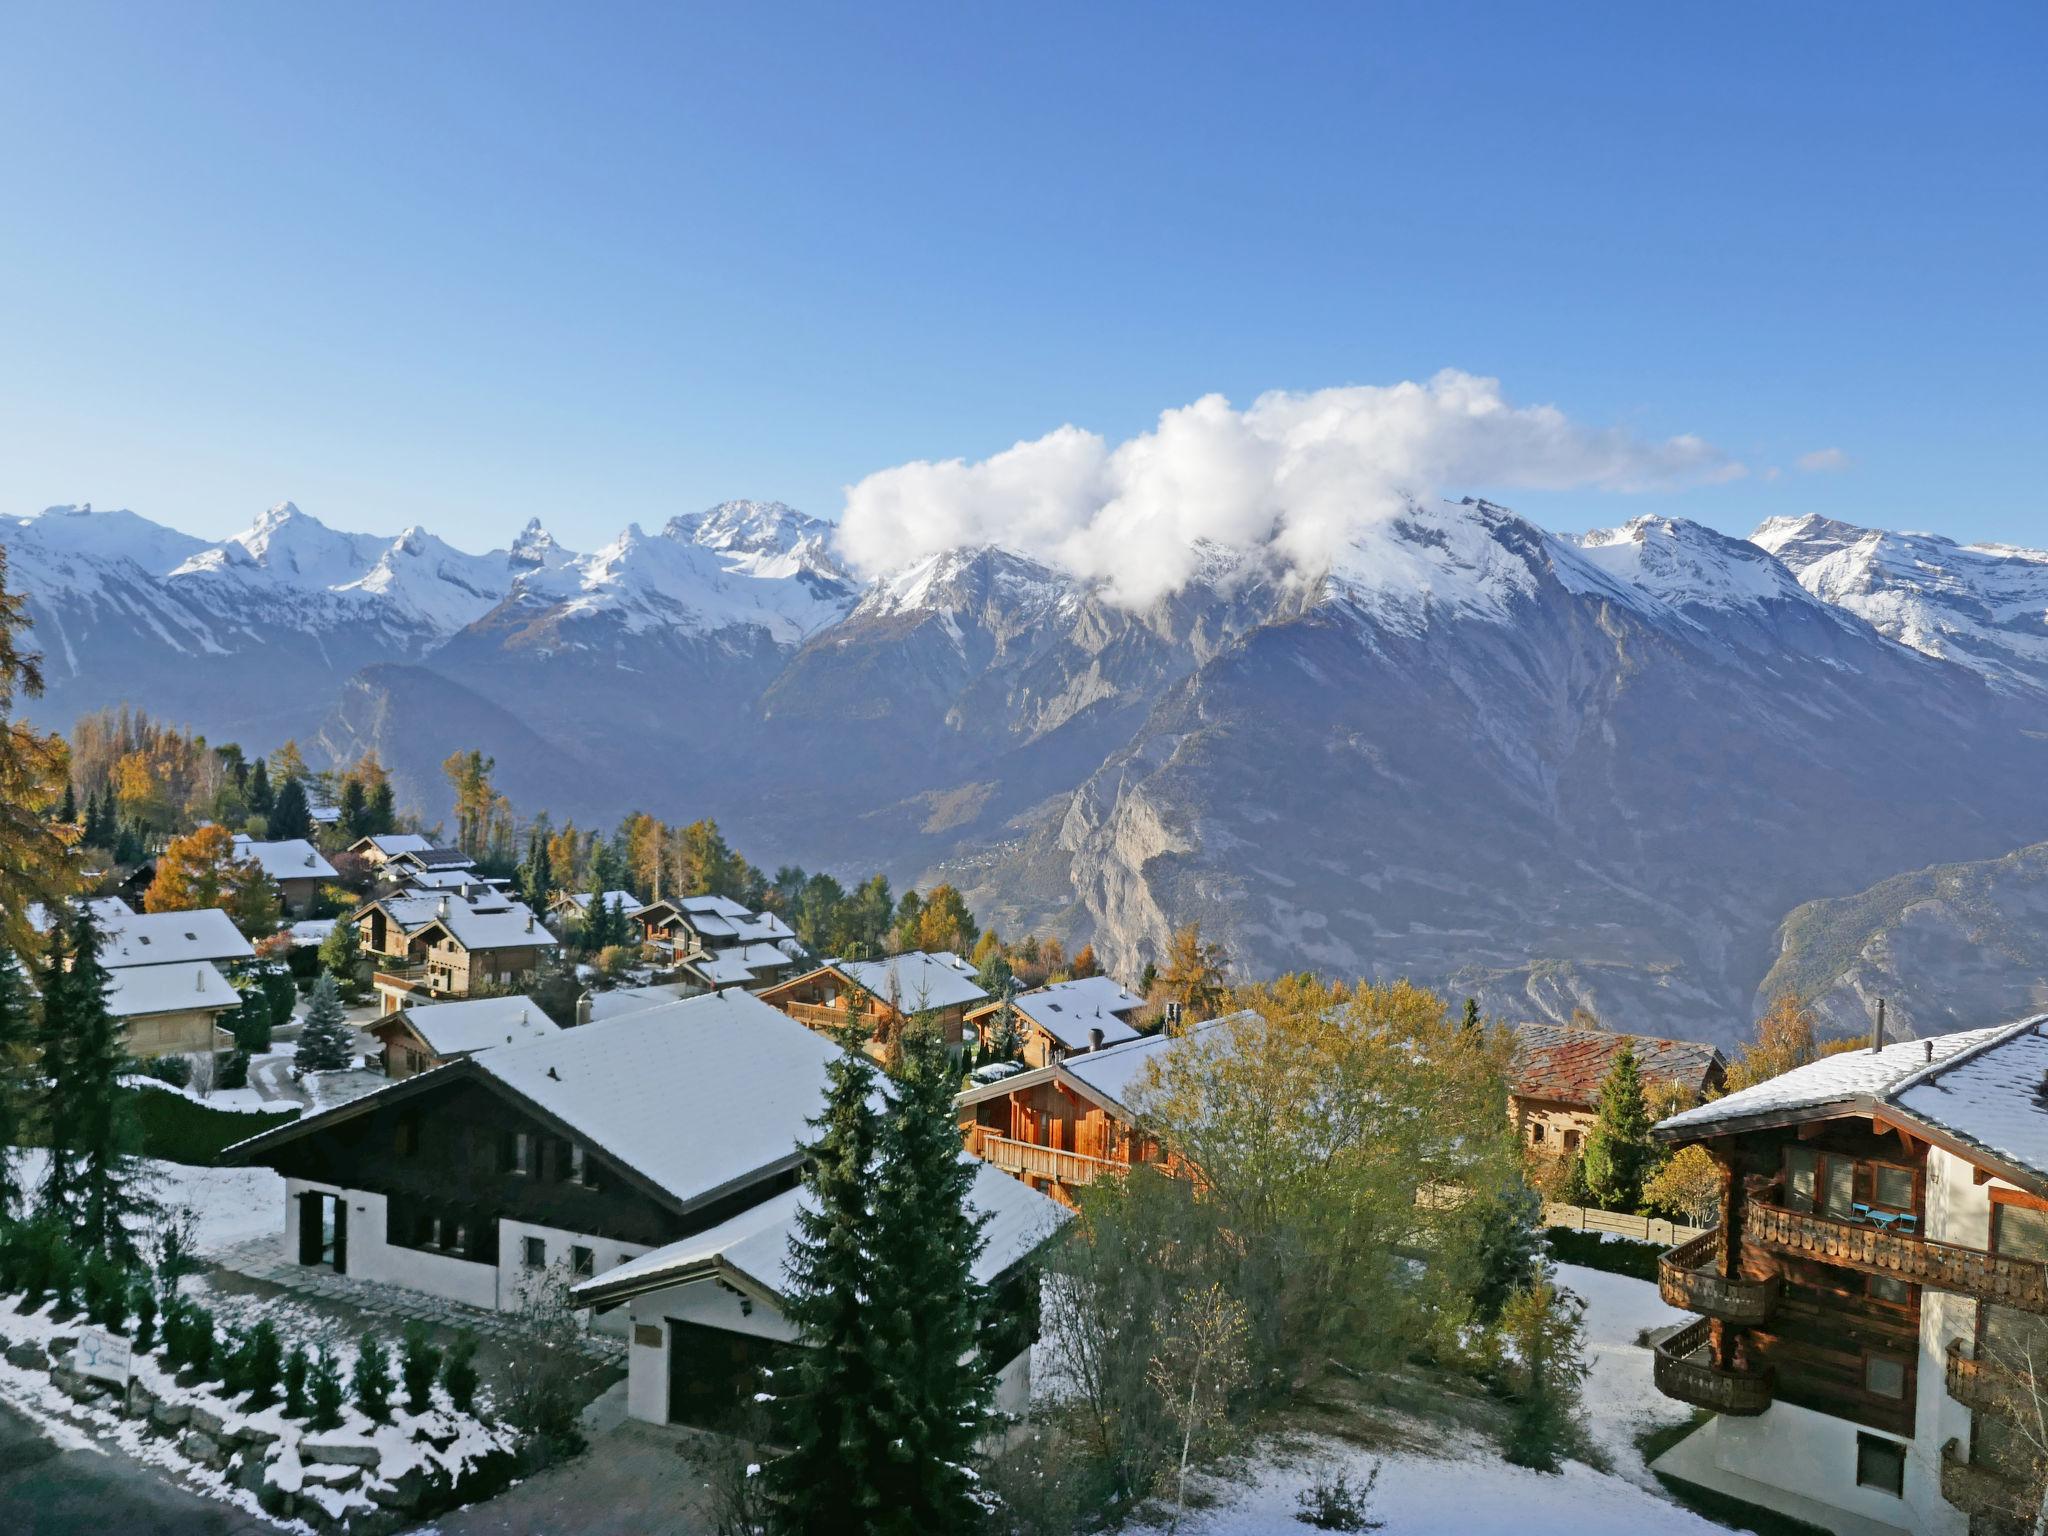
{"type": "Point", "coordinates": [1594, 1250]}
{"type": "Point", "coordinates": [179, 1130]}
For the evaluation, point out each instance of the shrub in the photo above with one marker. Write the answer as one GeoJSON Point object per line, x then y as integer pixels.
{"type": "Point", "coordinates": [262, 1364]}
{"type": "Point", "coordinates": [103, 1286]}
{"type": "Point", "coordinates": [323, 1392]}
{"type": "Point", "coordinates": [295, 1369]}
{"type": "Point", "coordinates": [234, 1069]}
{"type": "Point", "coordinates": [178, 1130]}
{"type": "Point", "coordinates": [1330, 1503]}
{"type": "Point", "coordinates": [458, 1372]}
{"type": "Point", "coordinates": [1616, 1255]}
{"type": "Point", "coordinates": [419, 1364]}
{"type": "Point", "coordinates": [373, 1379]}
{"type": "Point", "coordinates": [143, 1300]}
{"type": "Point", "coordinates": [175, 1070]}
{"type": "Point", "coordinates": [189, 1342]}
{"type": "Point", "coordinates": [233, 1357]}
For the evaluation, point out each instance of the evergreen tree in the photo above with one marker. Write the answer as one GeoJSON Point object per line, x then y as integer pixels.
{"type": "Point", "coordinates": [67, 808]}
{"type": "Point", "coordinates": [372, 1379]}
{"type": "Point", "coordinates": [341, 956]}
{"type": "Point", "coordinates": [927, 1304]}
{"type": "Point", "coordinates": [95, 1182]}
{"type": "Point", "coordinates": [1544, 1324]}
{"type": "Point", "coordinates": [291, 815]}
{"type": "Point", "coordinates": [537, 873]}
{"type": "Point", "coordinates": [324, 1391]}
{"type": "Point", "coordinates": [383, 813]}
{"type": "Point", "coordinates": [1619, 1152]}
{"type": "Point", "coordinates": [325, 1044]}
{"type": "Point", "coordinates": [829, 1403]}
{"type": "Point", "coordinates": [355, 810]}
{"type": "Point", "coordinates": [1472, 1013]}
{"type": "Point", "coordinates": [261, 797]}
{"type": "Point", "coordinates": [17, 1039]}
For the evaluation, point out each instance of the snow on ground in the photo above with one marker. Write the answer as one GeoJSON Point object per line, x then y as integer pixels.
{"type": "Point", "coordinates": [231, 1205]}
{"type": "Point", "coordinates": [1468, 1489]}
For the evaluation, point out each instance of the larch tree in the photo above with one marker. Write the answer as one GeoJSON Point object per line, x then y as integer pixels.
{"type": "Point", "coordinates": [35, 770]}
{"type": "Point", "coordinates": [476, 802]}
{"type": "Point", "coordinates": [202, 869]}
{"type": "Point", "coordinates": [1195, 974]}
{"type": "Point", "coordinates": [96, 1185]}
{"type": "Point", "coordinates": [1619, 1152]}
{"type": "Point", "coordinates": [1784, 1040]}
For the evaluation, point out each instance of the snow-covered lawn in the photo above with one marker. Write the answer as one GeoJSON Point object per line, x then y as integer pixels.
{"type": "Point", "coordinates": [231, 1205]}
{"type": "Point", "coordinates": [1466, 1489]}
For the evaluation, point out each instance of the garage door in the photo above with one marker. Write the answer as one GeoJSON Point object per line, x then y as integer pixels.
{"type": "Point", "coordinates": [713, 1375]}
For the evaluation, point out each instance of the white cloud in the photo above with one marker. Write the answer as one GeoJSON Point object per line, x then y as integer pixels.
{"type": "Point", "coordinates": [1299, 473]}
{"type": "Point", "coordinates": [1821, 461]}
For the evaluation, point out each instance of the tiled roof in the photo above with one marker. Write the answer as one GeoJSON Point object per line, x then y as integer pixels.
{"type": "Point", "coordinates": [1566, 1065]}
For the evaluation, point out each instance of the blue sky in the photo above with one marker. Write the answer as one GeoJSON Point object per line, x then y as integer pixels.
{"type": "Point", "coordinates": [463, 265]}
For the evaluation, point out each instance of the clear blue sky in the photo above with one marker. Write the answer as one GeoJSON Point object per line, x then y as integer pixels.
{"type": "Point", "coordinates": [466, 264]}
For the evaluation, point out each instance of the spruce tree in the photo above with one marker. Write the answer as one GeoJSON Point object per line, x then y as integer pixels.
{"type": "Point", "coordinates": [16, 1047]}
{"type": "Point", "coordinates": [325, 1043]}
{"type": "Point", "coordinates": [829, 1406]}
{"type": "Point", "coordinates": [926, 1302]}
{"type": "Point", "coordinates": [383, 814]}
{"type": "Point", "coordinates": [67, 808]}
{"type": "Point", "coordinates": [261, 797]}
{"type": "Point", "coordinates": [355, 810]}
{"type": "Point", "coordinates": [95, 1184]}
{"type": "Point", "coordinates": [1619, 1152]}
{"type": "Point", "coordinates": [291, 815]}
{"type": "Point", "coordinates": [341, 956]}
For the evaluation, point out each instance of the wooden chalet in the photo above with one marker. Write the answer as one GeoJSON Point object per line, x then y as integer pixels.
{"type": "Point", "coordinates": [689, 926]}
{"type": "Point", "coordinates": [294, 865]}
{"type": "Point", "coordinates": [380, 848]}
{"type": "Point", "coordinates": [941, 986]}
{"type": "Point", "coordinates": [586, 1154]}
{"type": "Point", "coordinates": [1064, 1019]}
{"type": "Point", "coordinates": [1874, 1304]}
{"type": "Point", "coordinates": [427, 946]}
{"type": "Point", "coordinates": [1068, 1123]}
{"type": "Point", "coordinates": [573, 908]}
{"type": "Point", "coordinates": [1554, 1085]}
{"type": "Point", "coordinates": [430, 1035]}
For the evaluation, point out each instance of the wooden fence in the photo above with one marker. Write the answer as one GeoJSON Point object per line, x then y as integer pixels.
{"type": "Point", "coordinates": [1644, 1229]}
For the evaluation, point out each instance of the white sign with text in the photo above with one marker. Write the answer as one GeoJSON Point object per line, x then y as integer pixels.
{"type": "Point", "coordinates": [104, 1355]}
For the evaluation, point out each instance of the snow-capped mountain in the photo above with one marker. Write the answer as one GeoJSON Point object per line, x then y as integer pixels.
{"type": "Point", "coordinates": [1983, 606]}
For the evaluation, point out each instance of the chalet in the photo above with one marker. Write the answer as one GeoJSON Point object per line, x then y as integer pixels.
{"type": "Point", "coordinates": [167, 938]}
{"type": "Point", "coordinates": [940, 985]}
{"type": "Point", "coordinates": [1071, 1122]}
{"type": "Point", "coordinates": [170, 1010]}
{"type": "Point", "coordinates": [428, 861]}
{"type": "Point", "coordinates": [1554, 1086]}
{"type": "Point", "coordinates": [448, 945]}
{"type": "Point", "coordinates": [708, 925]}
{"type": "Point", "coordinates": [1063, 1019]}
{"type": "Point", "coordinates": [296, 867]}
{"type": "Point", "coordinates": [1874, 1304]}
{"type": "Point", "coordinates": [434, 1034]}
{"type": "Point", "coordinates": [750, 967]}
{"type": "Point", "coordinates": [572, 1156]}
{"type": "Point", "coordinates": [573, 907]}
{"type": "Point", "coordinates": [707, 1313]}
{"type": "Point", "coordinates": [381, 848]}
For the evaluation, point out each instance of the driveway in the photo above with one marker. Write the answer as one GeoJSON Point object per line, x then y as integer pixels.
{"type": "Point", "coordinates": [47, 1490]}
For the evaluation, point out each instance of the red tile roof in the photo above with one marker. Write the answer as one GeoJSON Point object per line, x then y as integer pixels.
{"type": "Point", "coordinates": [1566, 1065]}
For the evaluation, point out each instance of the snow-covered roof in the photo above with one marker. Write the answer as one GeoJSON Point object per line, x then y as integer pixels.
{"type": "Point", "coordinates": [310, 932]}
{"type": "Point", "coordinates": [620, 1001]}
{"type": "Point", "coordinates": [391, 844]}
{"type": "Point", "coordinates": [737, 967]}
{"type": "Point", "coordinates": [478, 1023]}
{"type": "Point", "coordinates": [136, 990]}
{"type": "Point", "coordinates": [1070, 1011]}
{"type": "Point", "coordinates": [106, 912]}
{"type": "Point", "coordinates": [161, 938]}
{"type": "Point", "coordinates": [625, 901]}
{"type": "Point", "coordinates": [291, 858]}
{"type": "Point", "coordinates": [915, 981]}
{"type": "Point", "coordinates": [1981, 1086]}
{"type": "Point", "coordinates": [490, 923]}
{"type": "Point", "coordinates": [755, 1243]}
{"type": "Point", "coordinates": [710, 906]}
{"type": "Point", "coordinates": [699, 1097]}
{"type": "Point", "coordinates": [1112, 1073]}
{"type": "Point", "coordinates": [431, 857]}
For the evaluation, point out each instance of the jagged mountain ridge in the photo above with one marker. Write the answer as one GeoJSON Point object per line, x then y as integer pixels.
{"type": "Point", "coordinates": [1550, 770]}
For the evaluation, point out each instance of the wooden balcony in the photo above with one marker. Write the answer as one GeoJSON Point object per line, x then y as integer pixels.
{"type": "Point", "coordinates": [1027, 1157]}
{"type": "Point", "coordinates": [400, 978]}
{"type": "Point", "coordinates": [1687, 1280]}
{"type": "Point", "coordinates": [2020, 1283]}
{"type": "Point", "coordinates": [1683, 1368]}
{"type": "Point", "coordinates": [1980, 1491]}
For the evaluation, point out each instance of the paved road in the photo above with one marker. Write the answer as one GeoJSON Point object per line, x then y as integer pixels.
{"type": "Point", "coordinates": [47, 1491]}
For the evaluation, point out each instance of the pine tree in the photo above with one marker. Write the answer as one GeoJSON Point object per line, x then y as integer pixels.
{"type": "Point", "coordinates": [17, 1040]}
{"type": "Point", "coordinates": [383, 813]}
{"type": "Point", "coordinates": [324, 1392]}
{"type": "Point", "coordinates": [355, 810]}
{"type": "Point", "coordinates": [291, 815]}
{"type": "Point", "coordinates": [372, 1379]}
{"type": "Point", "coordinates": [95, 1183]}
{"type": "Point", "coordinates": [925, 1299]}
{"type": "Point", "coordinates": [341, 956]}
{"type": "Point", "coordinates": [325, 1044]}
{"type": "Point", "coordinates": [67, 808]}
{"type": "Point", "coordinates": [261, 797]}
{"type": "Point", "coordinates": [1619, 1152]}
{"type": "Point", "coordinates": [828, 1402]}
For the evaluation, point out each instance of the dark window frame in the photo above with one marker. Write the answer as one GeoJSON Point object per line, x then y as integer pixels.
{"type": "Point", "coordinates": [1893, 1452]}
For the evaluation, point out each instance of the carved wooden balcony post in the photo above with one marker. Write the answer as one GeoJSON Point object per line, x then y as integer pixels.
{"type": "Point", "coordinates": [1724, 1337]}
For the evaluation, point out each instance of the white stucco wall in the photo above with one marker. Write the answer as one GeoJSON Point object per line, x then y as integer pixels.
{"type": "Point", "coordinates": [607, 1252]}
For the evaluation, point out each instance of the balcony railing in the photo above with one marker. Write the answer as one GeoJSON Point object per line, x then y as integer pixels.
{"type": "Point", "coordinates": [2020, 1283]}
{"type": "Point", "coordinates": [402, 978]}
{"type": "Point", "coordinates": [1027, 1157]}
{"type": "Point", "coordinates": [1687, 1280]}
{"type": "Point", "coordinates": [1683, 1367]}
{"type": "Point", "coordinates": [1979, 1490]}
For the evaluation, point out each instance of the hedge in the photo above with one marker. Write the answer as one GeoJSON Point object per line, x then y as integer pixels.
{"type": "Point", "coordinates": [182, 1130]}
{"type": "Point", "coordinates": [1594, 1250]}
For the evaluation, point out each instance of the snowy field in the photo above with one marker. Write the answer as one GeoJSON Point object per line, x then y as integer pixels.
{"type": "Point", "coordinates": [232, 1205]}
{"type": "Point", "coordinates": [1469, 1490]}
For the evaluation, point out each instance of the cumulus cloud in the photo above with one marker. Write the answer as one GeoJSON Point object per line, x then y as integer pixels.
{"type": "Point", "coordinates": [1299, 474]}
{"type": "Point", "coordinates": [1821, 461]}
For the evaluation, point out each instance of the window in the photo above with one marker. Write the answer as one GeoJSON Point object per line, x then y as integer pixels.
{"type": "Point", "coordinates": [1536, 1131]}
{"type": "Point", "coordinates": [1881, 1464]}
{"type": "Point", "coordinates": [582, 1263]}
{"type": "Point", "coordinates": [1802, 1169]}
{"type": "Point", "coordinates": [1826, 1177]}
{"type": "Point", "coordinates": [522, 1152]}
{"type": "Point", "coordinates": [1884, 1376]}
{"type": "Point", "coordinates": [2019, 1230]}
{"type": "Point", "coordinates": [580, 1168]}
{"type": "Point", "coordinates": [1890, 1288]}
{"type": "Point", "coordinates": [533, 1252]}
{"type": "Point", "coordinates": [1571, 1141]}
{"type": "Point", "coordinates": [1892, 1188]}
{"type": "Point", "coordinates": [407, 1137]}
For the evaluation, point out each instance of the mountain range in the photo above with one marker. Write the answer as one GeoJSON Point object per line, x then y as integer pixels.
{"type": "Point", "coordinates": [1551, 771]}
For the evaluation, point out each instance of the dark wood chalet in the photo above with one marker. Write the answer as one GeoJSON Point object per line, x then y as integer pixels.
{"type": "Point", "coordinates": [1882, 1255]}
{"type": "Point", "coordinates": [886, 993]}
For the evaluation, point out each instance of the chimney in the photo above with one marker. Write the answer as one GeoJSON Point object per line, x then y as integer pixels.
{"type": "Point", "coordinates": [1095, 1037]}
{"type": "Point", "coordinates": [199, 979]}
{"type": "Point", "coordinates": [529, 919]}
{"type": "Point", "coordinates": [583, 1008]}
{"type": "Point", "coordinates": [442, 910]}
{"type": "Point", "coordinates": [1930, 1050]}
{"type": "Point", "coordinates": [1877, 1035]}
